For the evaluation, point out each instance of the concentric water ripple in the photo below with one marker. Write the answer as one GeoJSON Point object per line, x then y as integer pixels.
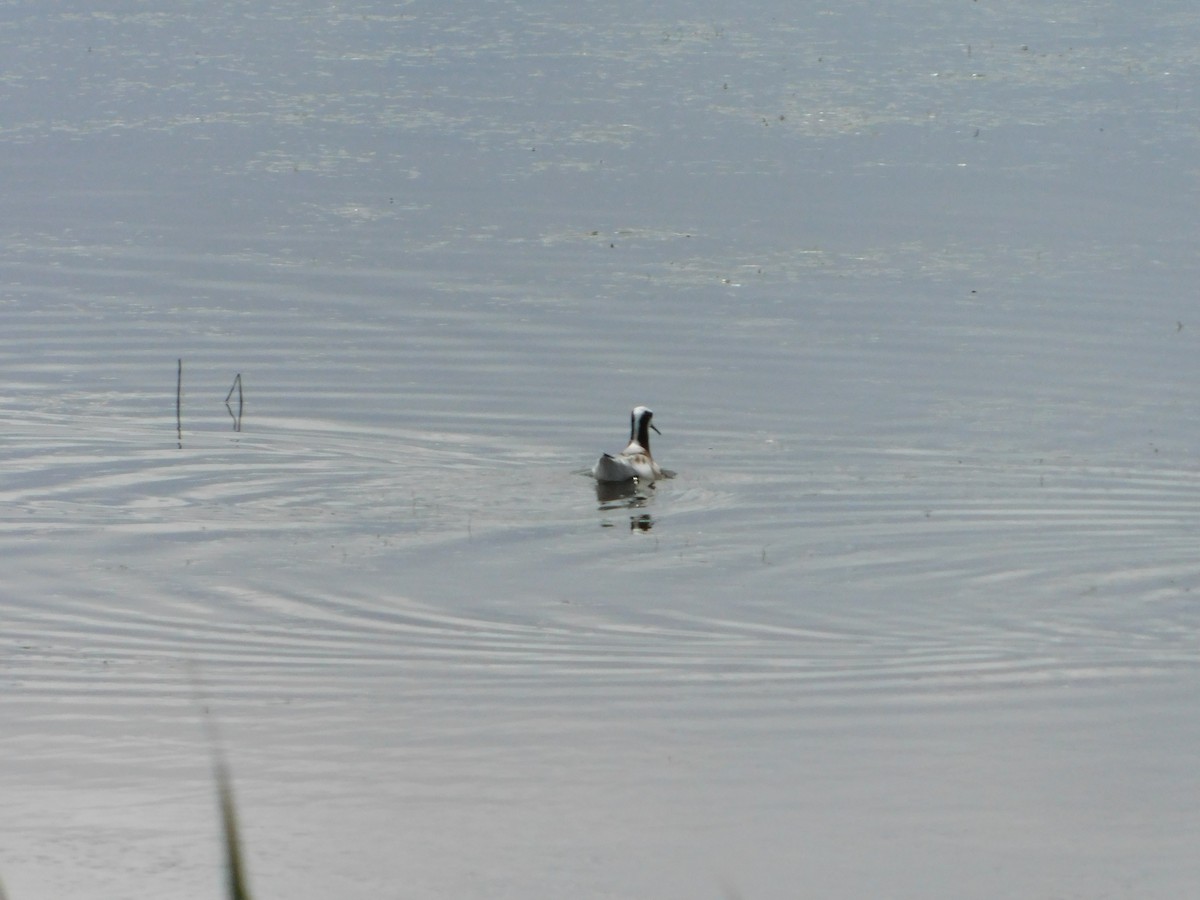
{"type": "Point", "coordinates": [297, 561]}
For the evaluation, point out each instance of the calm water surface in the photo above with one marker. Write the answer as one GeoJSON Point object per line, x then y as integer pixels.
{"type": "Point", "coordinates": [912, 293]}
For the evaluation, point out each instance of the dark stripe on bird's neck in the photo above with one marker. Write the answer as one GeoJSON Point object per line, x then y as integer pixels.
{"type": "Point", "coordinates": [643, 432]}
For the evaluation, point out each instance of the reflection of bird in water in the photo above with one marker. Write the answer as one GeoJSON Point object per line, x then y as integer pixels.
{"type": "Point", "coordinates": [642, 522]}
{"type": "Point", "coordinates": [635, 461]}
{"type": "Point", "coordinates": [622, 493]}
{"type": "Point", "coordinates": [625, 495]}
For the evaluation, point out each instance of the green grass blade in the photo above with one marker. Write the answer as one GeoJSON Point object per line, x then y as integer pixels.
{"type": "Point", "coordinates": [234, 867]}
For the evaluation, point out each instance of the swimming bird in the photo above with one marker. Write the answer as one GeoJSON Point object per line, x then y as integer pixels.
{"type": "Point", "coordinates": [635, 460]}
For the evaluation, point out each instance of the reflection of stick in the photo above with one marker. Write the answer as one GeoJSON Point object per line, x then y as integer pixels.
{"type": "Point", "coordinates": [179, 404]}
{"type": "Point", "coordinates": [237, 419]}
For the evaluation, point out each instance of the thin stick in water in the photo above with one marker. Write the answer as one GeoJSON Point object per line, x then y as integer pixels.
{"type": "Point", "coordinates": [179, 404]}
{"type": "Point", "coordinates": [237, 418]}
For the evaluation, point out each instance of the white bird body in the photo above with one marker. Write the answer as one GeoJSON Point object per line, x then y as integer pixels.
{"type": "Point", "coordinates": [635, 461]}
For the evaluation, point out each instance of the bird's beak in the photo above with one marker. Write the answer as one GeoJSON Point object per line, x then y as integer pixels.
{"type": "Point", "coordinates": [656, 431]}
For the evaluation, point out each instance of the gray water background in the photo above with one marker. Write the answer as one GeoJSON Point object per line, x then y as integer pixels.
{"type": "Point", "coordinates": [912, 291]}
